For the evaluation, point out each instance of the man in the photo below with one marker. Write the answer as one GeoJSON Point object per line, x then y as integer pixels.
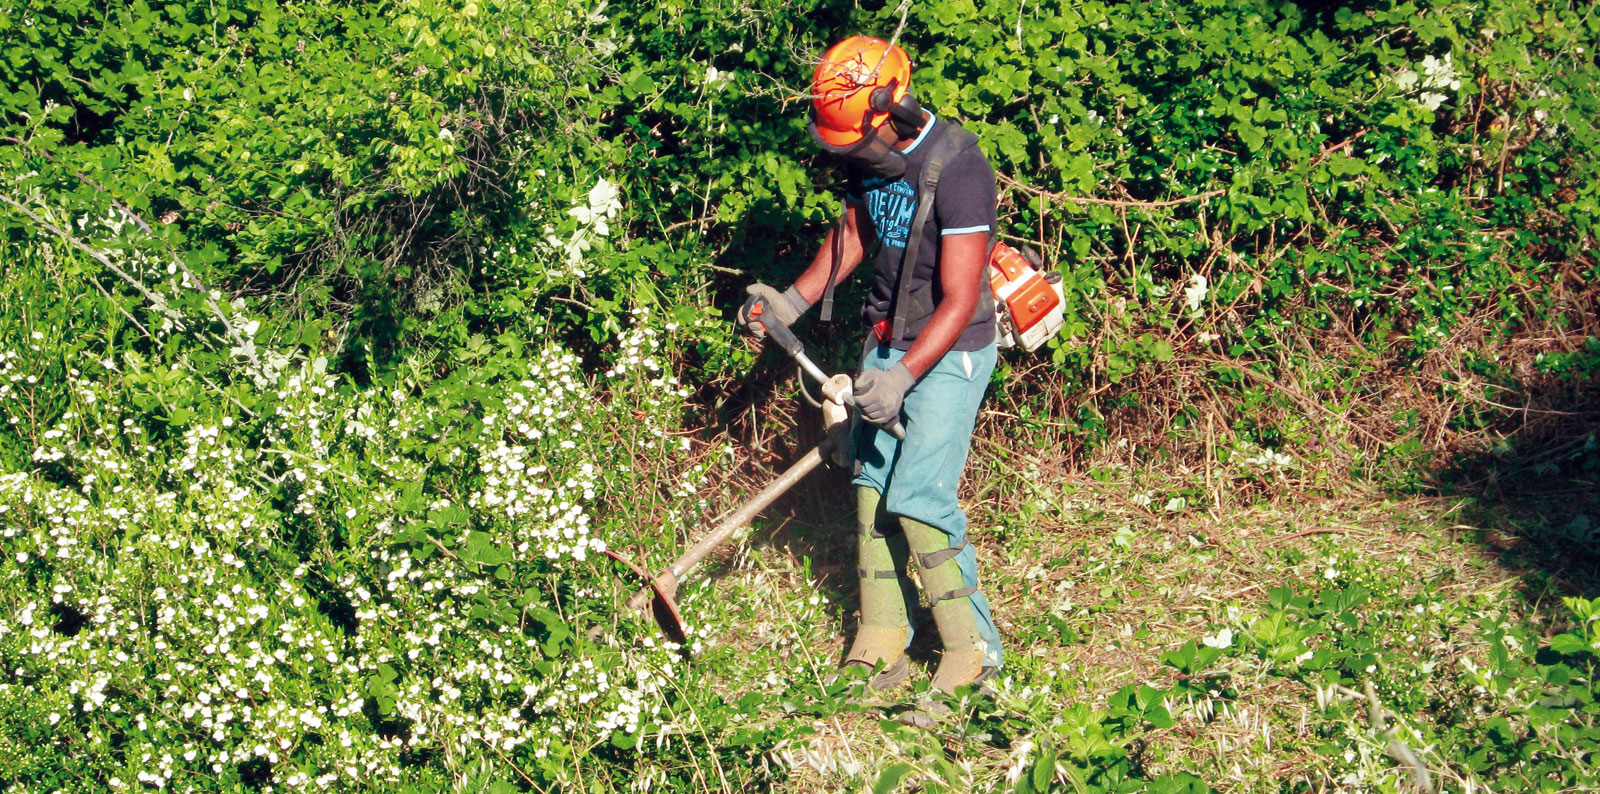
{"type": "Point", "coordinates": [928, 357]}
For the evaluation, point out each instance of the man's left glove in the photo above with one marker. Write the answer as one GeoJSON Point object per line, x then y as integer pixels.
{"type": "Point", "coordinates": [785, 307]}
{"type": "Point", "coordinates": [880, 392]}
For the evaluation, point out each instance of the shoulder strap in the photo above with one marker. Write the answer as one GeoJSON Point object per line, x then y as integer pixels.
{"type": "Point", "coordinates": [950, 142]}
{"type": "Point", "coordinates": [833, 270]}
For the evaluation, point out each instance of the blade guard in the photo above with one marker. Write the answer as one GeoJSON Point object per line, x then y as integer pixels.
{"type": "Point", "coordinates": [662, 591]}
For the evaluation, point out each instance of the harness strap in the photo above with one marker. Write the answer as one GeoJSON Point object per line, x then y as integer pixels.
{"type": "Point", "coordinates": [943, 147]}
{"type": "Point", "coordinates": [951, 140]}
{"type": "Point", "coordinates": [886, 529]}
{"type": "Point", "coordinates": [833, 270]}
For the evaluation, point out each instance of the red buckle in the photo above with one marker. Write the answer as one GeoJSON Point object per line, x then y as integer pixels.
{"type": "Point", "coordinates": [881, 330]}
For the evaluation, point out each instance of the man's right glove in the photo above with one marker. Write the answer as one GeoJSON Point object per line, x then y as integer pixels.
{"type": "Point", "coordinates": [784, 307]}
{"type": "Point", "coordinates": [880, 392]}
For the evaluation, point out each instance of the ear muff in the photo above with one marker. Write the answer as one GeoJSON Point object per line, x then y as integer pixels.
{"type": "Point", "coordinates": [906, 116]}
{"type": "Point", "coordinates": [882, 98]}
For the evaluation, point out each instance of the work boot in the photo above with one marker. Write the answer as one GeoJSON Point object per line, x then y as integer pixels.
{"type": "Point", "coordinates": [885, 628]}
{"type": "Point", "coordinates": [958, 609]}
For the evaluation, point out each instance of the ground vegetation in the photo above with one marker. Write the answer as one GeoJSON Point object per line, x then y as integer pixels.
{"type": "Point", "coordinates": [340, 341]}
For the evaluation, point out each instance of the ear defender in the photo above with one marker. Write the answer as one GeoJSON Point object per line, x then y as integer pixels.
{"type": "Point", "coordinates": [905, 115]}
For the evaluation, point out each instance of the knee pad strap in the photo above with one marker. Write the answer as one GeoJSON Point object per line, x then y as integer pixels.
{"type": "Point", "coordinates": [934, 559]}
{"type": "Point", "coordinates": [951, 595]}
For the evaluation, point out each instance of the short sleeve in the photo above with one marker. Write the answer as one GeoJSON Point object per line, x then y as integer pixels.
{"type": "Point", "coordinates": [965, 200]}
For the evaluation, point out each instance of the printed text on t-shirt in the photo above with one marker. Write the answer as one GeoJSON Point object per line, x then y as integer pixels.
{"type": "Point", "coordinates": [891, 206]}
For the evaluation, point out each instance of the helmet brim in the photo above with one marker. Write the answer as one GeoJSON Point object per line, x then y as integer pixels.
{"type": "Point", "coordinates": [870, 149]}
{"type": "Point", "coordinates": [839, 138]}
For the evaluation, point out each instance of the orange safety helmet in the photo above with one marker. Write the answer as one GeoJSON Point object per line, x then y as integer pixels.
{"type": "Point", "coordinates": [860, 83]}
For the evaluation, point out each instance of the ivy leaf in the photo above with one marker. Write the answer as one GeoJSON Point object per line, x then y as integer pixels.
{"type": "Point", "coordinates": [1252, 136]}
{"type": "Point", "coordinates": [1081, 171]}
{"type": "Point", "coordinates": [639, 85]}
{"type": "Point", "coordinates": [1011, 143]}
{"type": "Point", "coordinates": [1343, 165]}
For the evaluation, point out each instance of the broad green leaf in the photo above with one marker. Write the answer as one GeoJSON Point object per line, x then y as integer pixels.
{"type": "Point", "coordinates": [889, 779]}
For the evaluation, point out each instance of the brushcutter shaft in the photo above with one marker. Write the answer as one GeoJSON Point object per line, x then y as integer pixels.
{"type": "Point", "coordinates": [819, 376]}
{"type": "Point", "coordinates": [680, 568]}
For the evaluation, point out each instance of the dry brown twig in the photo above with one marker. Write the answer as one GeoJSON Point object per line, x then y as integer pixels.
{"type": "Point", "coordinates": [1131, 204]}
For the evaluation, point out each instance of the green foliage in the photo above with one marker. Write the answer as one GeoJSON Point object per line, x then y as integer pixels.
{"type": "Point", "coordinates": [1358, 180]}
{"type": "Point", "coordinates": [304, 307]}
{"type": "Point", "coordinates": [352, 157]}
{"type": "Point", "coordinates": [1394, 166]}
{"type": "Point", "coordinates": [224, 581]}
{"type": "Point", "coordinates": [1520, 716]}
{"type": "Point", "coordinates": [1053, 748]}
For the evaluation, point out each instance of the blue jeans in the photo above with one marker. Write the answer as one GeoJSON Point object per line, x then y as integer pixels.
{"type": "Point", "coordinates": [918, 476]}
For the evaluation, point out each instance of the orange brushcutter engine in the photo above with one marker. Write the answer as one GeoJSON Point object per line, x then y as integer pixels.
{"type": "Point", "coordinates": [1029, 303]}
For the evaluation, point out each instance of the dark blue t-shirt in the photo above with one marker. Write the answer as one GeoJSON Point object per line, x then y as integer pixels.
{"type": "Point", "coordinates": [963, 203]}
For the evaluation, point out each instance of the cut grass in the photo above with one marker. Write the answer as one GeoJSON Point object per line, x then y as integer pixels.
{"type": "Point", "coordinates": [1093, 580]}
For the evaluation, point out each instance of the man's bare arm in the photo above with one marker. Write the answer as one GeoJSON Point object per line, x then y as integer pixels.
{"type": "Point", "coordinates": [857, 227]}
{"type": "Point", "coordinates": [962, 258]}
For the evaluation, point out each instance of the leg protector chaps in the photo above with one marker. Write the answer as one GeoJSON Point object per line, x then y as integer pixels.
{"type": "Point", "coordinates": [949, 577]}
{"type": "Point", "coordinates": [885, 629]}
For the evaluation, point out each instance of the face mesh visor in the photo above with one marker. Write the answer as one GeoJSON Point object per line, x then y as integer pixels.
{"type": "Point", "coordinates": [872, 152]}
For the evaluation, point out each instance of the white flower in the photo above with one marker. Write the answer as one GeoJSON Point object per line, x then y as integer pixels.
{"type": "Point", "coordinates": [1222, 639]}
{"type": "Point", "coordinates": [1439, 73]}
{"type": "Point", "coordinates": [1195, 293]}
{"type": "Point", "coordinates": [604, 199]}
{"type": "Point", "coordinates": [1020, 756]}
{"type": "Point", "coordinates": [1433, 77]}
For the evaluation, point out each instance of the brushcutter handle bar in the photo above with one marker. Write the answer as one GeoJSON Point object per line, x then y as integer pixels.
{"type": "Point", "coordinates": [775, 328]}
{"type": "Point", "coordinates": [790, 343]}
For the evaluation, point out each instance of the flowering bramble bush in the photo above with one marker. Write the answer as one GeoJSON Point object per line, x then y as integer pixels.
{"type": "Point", "coordinates": [352, 588]}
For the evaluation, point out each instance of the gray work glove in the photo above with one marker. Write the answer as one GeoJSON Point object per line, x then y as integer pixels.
{"type": "Point", "coordinates": [783, 307]}
{"type": "Point", "coordinates": [880, 392]}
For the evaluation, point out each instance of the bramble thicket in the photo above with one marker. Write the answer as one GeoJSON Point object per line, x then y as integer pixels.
{"type": "Point", "coordinates": [339, 340]}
